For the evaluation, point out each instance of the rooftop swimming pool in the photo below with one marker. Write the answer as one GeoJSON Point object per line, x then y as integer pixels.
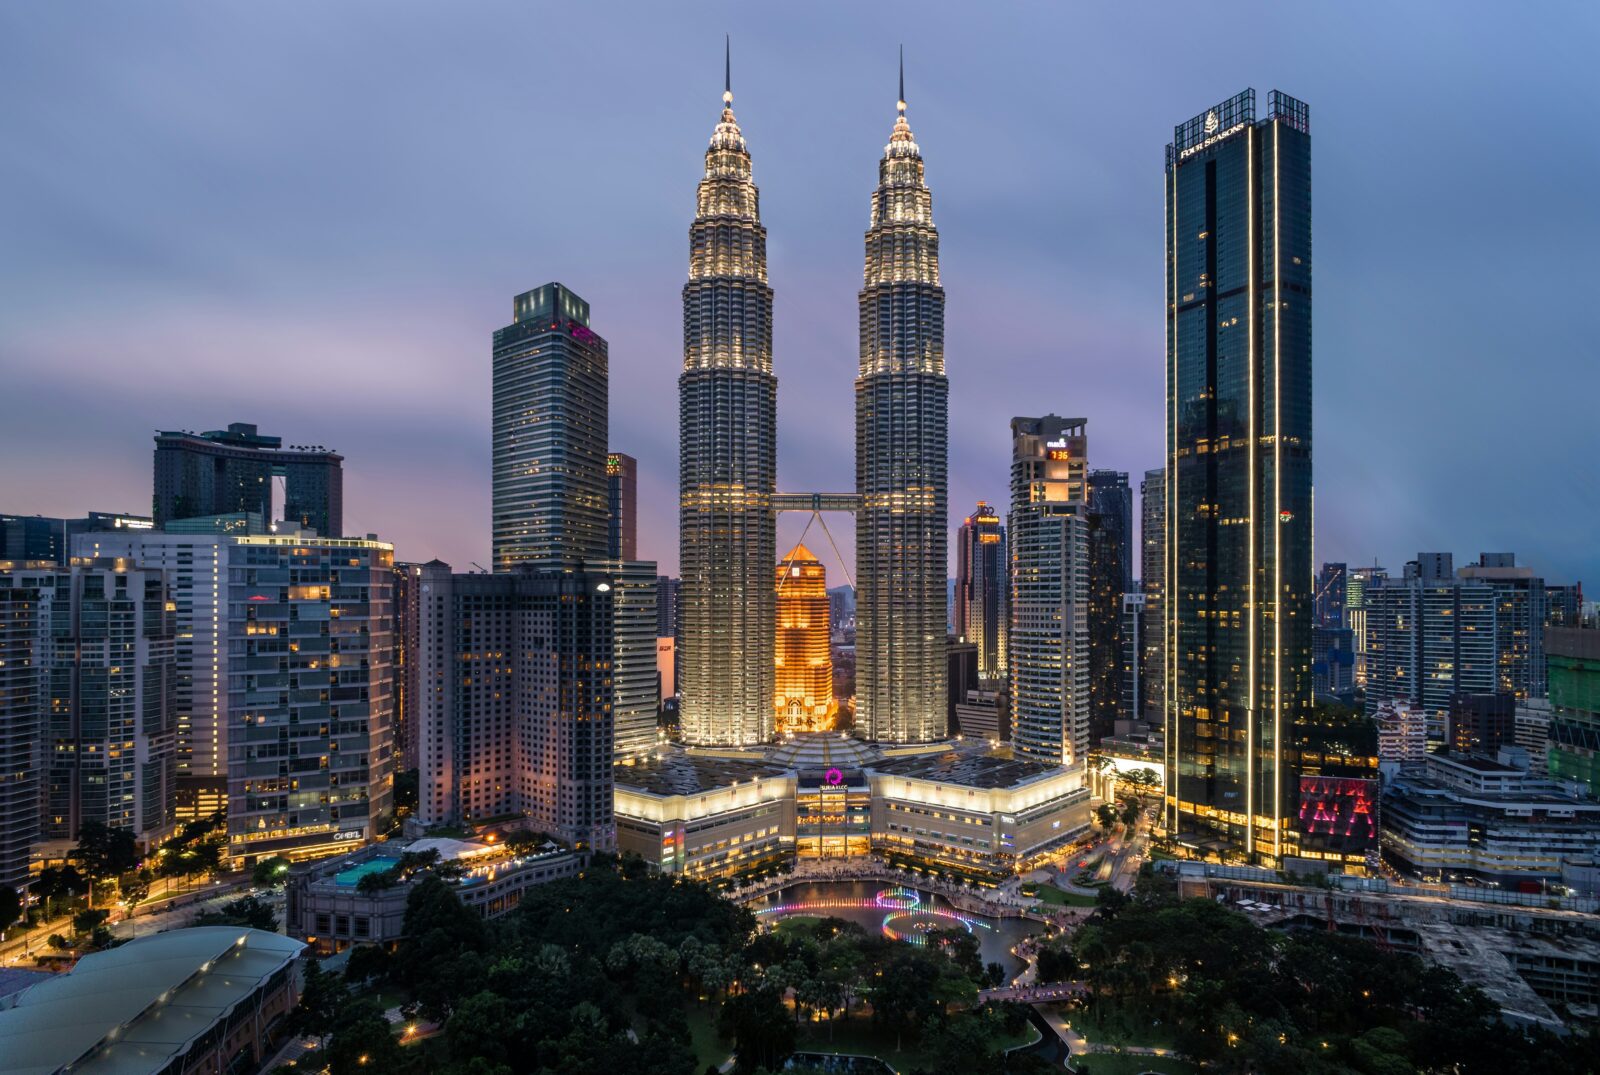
{"type": "Point", "coordinates": [352, 875]}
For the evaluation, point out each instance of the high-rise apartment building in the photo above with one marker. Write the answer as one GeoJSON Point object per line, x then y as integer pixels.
{"type": "Point", "coordinates": [196, 567]}
{"type": "Point", "coordinates": [407, 609]}
{"type": "Point", "coordinates": [1131, 703]}
{"type": "Point", "coordinates": [983, 589]}
{"type": "Point", "coordinates": [550, 422]}
{"type": "Point", "coordinates": [1049, 636]}
{"type": "Point", "coordinates": [24, 642]}
{"type": "Point", "coordinates": [1358, 579]}
{"type": "Point", "coordinates": [1238, 594]}
{"type": "Point", "coordinates": [515, 701]}
{"type": "Point", "coordinates": [310, 682]}
{"type": "Point", "coordinates": [1110, 575]}
{"type": "Point", "coordinates": [902, 450]}
{"type": "Point", "coordinates": [232, 470]}
{"type": "Point", "coordinates": [727, 456]}
{"type": "Point", "coordinates": [1152, 580]}
{"type": "Point", "coordinates": [1437, 632]}
{"type": "Point", "coordinates": [622, 500]}
{"type": "Point", "coordinates": [107, 737]}
{"type": "Point", "coordinates": [803, 701]}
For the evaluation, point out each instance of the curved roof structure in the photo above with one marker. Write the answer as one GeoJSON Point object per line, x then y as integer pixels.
{"type": "Point", "coordinates": [822, 750]}
{"type": "Point", "coordinates": [132, 1009]}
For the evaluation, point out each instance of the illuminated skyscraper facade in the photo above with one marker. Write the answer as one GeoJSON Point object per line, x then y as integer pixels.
{"type": "Point", "coordinates": [902, 449]}
{"type": "Point", "coordinates": [803, 701]}
{"type": "Point", "coordinates": [622, 500]}
{"type": "Point", "coordinates": [1152, 580]}
{"type": "Point", "coordinates": [550, 388]}
{"type": "Point", "coordinates": [1049, 637]}
{"type": "Point", "coordinates": [983, 589]}
{"type": "Point", "coordinates": [727, 455]}
{"type": "Point", "coordinates": [1238, 593]}
{"type": "Point", "coordinates": [1110, 569]}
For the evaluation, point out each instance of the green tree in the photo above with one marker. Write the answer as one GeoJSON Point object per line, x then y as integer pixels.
{"type": "Point", "coordinates": [104, 852]}
{"type": "Point", "coordinates": [363, 1041]}
{"type": "Point", "coordinates": [10, 907]}
{"type": "Point", "coordinates": [84, 922]}
{"type": "Point", "coordinates": [245, 911]}
{"type": "Point", "coordinates": [760, 1027]}
{"type": "Point", "coordinates": [1106, 814]}
{"type": "Point", "coordinates": [322, 996]}
{"type": "Point", "coordinates": [271, 872]}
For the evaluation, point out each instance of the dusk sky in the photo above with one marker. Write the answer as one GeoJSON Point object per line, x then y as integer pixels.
{"type": "Point", "coordinates": [312, 217]}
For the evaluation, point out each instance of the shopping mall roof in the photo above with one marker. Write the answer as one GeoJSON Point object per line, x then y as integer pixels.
{"type": "Point", "coordinates": [130, 1010]}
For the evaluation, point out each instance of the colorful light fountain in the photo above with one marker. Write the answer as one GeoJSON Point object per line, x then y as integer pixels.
{"type": "Point", "coordinates": [905, 908]}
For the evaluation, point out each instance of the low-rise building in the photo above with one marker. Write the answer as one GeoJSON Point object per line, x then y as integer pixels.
{"type": "Point", "coordinates": [208, 999]}
{"type": "Point", "coordinates": [327, 906]}
{"type": "Point", "coordinates": [1488, 820]}
{"type": "Point", "coordinates": [954, 807]}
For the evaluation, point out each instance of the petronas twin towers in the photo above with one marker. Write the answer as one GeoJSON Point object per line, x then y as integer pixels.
{"type": "Point", "coordinates": [728, 458]}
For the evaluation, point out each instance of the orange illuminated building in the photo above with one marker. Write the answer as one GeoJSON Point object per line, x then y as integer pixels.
{"type": "Point", "coordinates": [803, 690]}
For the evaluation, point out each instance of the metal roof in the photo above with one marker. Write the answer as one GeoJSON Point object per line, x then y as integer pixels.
{"type": "Point", "coordinates": [133, 1008]}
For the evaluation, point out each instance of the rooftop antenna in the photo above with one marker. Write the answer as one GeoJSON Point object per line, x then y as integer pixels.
{"type": "Point", "coordinates": [727, 69]}
{"type": "Point", "coordinates": [902, 100]}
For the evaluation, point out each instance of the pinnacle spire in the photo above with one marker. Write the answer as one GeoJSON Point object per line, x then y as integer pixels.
{"type": "Point", "coordinates": [902, 101]}
{"type": "Point", "coordinates": [727, 69]}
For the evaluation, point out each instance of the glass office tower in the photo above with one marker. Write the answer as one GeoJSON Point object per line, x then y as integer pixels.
{"type": "Point", "coordinates": [981, 613]}
{"type": "Point", "coordinates": [727, 456]}
{"type": "Point", "coordinates": [550, 388]}
{"type": "Point", "coordinates": [902, 460]}
{"type": "Point", "coordinates": [1238, 614]}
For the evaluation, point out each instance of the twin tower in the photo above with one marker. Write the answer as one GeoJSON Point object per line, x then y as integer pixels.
{"type": "Point", "coordinates": [727, 398]}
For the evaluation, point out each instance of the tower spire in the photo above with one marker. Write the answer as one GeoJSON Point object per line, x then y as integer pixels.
{"type": "Point", "coordinates": [901, 103]}
{"type": "Point", "coordinates": [727, 69]}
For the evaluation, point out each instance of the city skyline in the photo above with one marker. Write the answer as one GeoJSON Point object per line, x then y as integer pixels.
{"type": "Point", "coordinates": [1024, 301]}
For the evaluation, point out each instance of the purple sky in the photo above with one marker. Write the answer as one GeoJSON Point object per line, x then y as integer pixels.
{"type": "Point", "coordinates": [313, 219]}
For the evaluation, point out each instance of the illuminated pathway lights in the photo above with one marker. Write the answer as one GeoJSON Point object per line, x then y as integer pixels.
{"type": "Point", "coordinates": [908, 920]}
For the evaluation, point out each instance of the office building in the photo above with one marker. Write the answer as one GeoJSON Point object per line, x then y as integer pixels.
{"type": "Point", "coordinates": [622, 499]}
{"type": "Point", "coordinates": [1238, 594]}
{"type": "Point", "coordinates": [1049, 638]}
{"type": "Point", "coordinates": [1130, 700]}
{"type": "Point", "coordinates": [515, 714]}
{"type": "Point", "coordinates": [961, 675]}
{"type": "Point", "coordinates": [1152, 579]}
{"type": "Point", "coordinates": [1531, 730]}
{"type": "Point", "coordinates": [842, 608]}
{"type": "Point", "coordinates": [983, 589]}
{"type": "Point", "coordinates": [1430, 636]}
{"type": "Point", "coordinates": [1482, 723]}
{"type": "Point", "coordinates": [668, 591]}
{"type": "Point", "coordinates": [727, 456]}
{"type": "Point", "coordinates": [635, 699]}
{"type": "Point", "coordinates": [196, 568]}
{"type": "Point", "coordinates": [1574, 713]}
{"type": "Point", "coordinates": [310, 683]}
{"type": "Point", "coordinates": [1358, 580]}
{"type": "Point", "coordinates": [36, 537]}
{"type": "Point", "coordinates": [550, 423]}
{"type": "Point", "coordinates": [1328, 598]}
{"type": "Point", "coordinates": [24, 651]}
{"type": "Point", "coordinates": [984, 715]}
{"type": "Point", "coordinates": [902, 450]}
{"type": "Point", "coordinates": [1333, 661]}
{"type": "Point", "coordinates": [232, 470]}
{"type": "Point", "coordinates": [1563, 604]}
{"type": "Point", "coordinates": [804, 700]}
{"type": "Point", "coordinates": [1110, 576]}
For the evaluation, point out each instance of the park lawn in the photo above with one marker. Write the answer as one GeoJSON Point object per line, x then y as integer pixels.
{"type": "Point", "coordinates": [1051, 894]}
{"type": "Point", "coordinates": [859, 1036]}
{"type": "Point", "coordinates": [1114, 1064]}
{"type": "Point", "coordinates": [1113, 1028]}
{"type": "Point", "coordinates": [709, 1048]}
{"type": "Point", "coordinates": [790, 923]}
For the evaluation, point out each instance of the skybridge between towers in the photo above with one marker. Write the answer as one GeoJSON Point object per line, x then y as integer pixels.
{"type": "Point", "coordinates": [814, 502]}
